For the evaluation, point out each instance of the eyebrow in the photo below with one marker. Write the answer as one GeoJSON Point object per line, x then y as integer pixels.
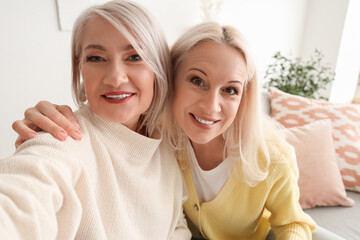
{"type": "Point", "coordinates": [236, 81]}
{"type": "Point", "coordinates": [197, 69]}
{"type": "Point", "coordinates": [102, 48]}
{"type": "Point", "coordinates": [232, 81]}
{"type": "Point", "coordinates": [95, 46]}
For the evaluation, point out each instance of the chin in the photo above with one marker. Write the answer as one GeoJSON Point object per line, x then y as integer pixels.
{"type": "Point", "coordinates": [112, 117]}
{"type": "Point", "coordinates": [199, 139]}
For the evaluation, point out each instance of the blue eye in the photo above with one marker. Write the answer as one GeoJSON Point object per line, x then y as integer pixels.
{"type": "Point", "coordinates": [197, 81]}
{"type": "Point", "coordinates": [134, 58]}
{"type": "Point", "coordinates": [94, 59]}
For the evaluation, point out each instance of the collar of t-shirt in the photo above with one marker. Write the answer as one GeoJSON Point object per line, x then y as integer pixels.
{"type": "Point", "coordinates": [208, 184]}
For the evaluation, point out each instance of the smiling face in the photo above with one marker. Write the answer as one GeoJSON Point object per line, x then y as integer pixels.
{"type": "Point", "coordinates": [208, 90]}
{"type": "Point", "coordinates": [119, 85]}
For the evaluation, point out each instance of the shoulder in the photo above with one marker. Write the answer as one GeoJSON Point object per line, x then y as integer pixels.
{"type": "Point", "coordinates": [280, 151]}
{"type": "Point", "coordinates": [282, 159]}
{"type": "Point", "coordinates": [45, 155]}
{"type": "Point", "coordinates": [46, 144]}
{"type": "Point", "coordinates": [83, 116]}
{"type": "Point", "coordinates": [45, 147]}
{"type": "Point", "coordinates": [167, 154]}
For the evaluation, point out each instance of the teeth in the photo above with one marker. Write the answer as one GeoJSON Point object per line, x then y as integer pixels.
{"type": "Point", "coordinates": [203, 121]}
{"type": "Point", "coordinates": [122, 96]}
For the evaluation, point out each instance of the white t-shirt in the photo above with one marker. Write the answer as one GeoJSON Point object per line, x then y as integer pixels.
{"type": "Point", "coordinates": [208, 183]}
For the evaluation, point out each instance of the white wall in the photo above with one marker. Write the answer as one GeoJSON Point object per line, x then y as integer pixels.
{"type": "Point", "coordinates": [269, 26]}
{"type": "Point", "coordinates": [324, 24]}
{"type": "Point", "coordinates": [323, 29]}
{"type": "Point", "coordinates": [348, 61]}
{"type": "Point", "coordinates": [35, 62]}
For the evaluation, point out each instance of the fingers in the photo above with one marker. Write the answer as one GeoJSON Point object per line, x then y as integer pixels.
{"type": "Point", "coordinates": [68, 121]}
{"type": "Point", "coordinates": [20, 140]}
{"type": "Point", "coordinates": [34, 117]}
{"type": "Point", "coordinates": [47, 116]}
{"type": "Point", "coordinates": [68, 113]}
{"type": "Point", "coordinates": [23, 128]}
{"type": "Point", "coordinates": [57, 120]}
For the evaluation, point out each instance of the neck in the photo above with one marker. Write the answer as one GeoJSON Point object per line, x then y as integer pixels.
{"type": "Point", "coordinates": [211, 154]}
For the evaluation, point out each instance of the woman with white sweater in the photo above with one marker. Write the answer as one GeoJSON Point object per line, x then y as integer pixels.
{"type": "Point", "coordinates": [120, 181]}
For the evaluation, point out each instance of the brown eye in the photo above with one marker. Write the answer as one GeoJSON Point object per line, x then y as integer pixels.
{"type": "Point", "coordinates": [197, 81]}
{"type": "Point", "coordinates": [231, 91]}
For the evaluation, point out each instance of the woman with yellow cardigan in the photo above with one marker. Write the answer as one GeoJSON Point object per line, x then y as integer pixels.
{"type": "Point", "coordinates": [240, 173]}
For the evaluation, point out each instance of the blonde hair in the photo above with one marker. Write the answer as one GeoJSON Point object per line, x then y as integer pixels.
{"type": "Point", "coordinates": [245, 138]}
{"type": "Point", "coordinates": [145, 34]}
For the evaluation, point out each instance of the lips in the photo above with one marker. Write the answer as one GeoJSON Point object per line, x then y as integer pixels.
{"type": "Point", "coordinates": [118, 97]}
{"type": "Point", "coordinates": [121, 96]}
{"type": "Point", "coordinates": [204, 121]}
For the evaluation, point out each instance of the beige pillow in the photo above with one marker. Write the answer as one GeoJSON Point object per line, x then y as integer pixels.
{"type": "Point", "coordinates": [291, 111]}
{"type": "Point", "coordinates": [320, 182]}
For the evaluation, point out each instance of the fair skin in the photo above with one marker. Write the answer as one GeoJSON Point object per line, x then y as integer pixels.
{"type": "Point", "coordinates": [118, 84]}
{"type": "Point", "coordinates": [208, 92]}
{"type": "Point", "coordinates": [207, 97]}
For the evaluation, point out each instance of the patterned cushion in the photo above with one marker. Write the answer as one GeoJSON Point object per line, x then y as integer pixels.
{"type": "Point", "coordinates": [292, 111]}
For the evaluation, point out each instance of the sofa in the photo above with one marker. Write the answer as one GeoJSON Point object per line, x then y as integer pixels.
{"type": "Point", "coordinates": [336, 209]}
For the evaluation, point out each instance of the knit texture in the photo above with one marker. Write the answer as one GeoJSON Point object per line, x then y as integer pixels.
{"type": "Point", "coordinates": [113, 184]}
{"type": "Point", "coordinates": [240, 211]}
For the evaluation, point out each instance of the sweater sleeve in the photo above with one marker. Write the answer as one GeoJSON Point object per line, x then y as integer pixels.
{"type": "Point", "coordinates": [37, 183]}
{"type": "Point", "coordinates": [287, 217]}
{"type": "Point", "coordinates": [182, 231]}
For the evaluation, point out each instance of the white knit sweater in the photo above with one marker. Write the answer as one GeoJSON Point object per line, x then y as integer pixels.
{"type": "Point", "coordinates": [113, 184]}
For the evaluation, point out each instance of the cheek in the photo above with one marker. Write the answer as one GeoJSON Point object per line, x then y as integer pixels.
{"type": "Point", "coordinates": [144, 77]}
{"type": "Point", "coordinates": [232, 110]}
{"type": "Point", "coordinates": [146, 83]}
{"type": "Point", "coordinates": [150, 85]}
{"type": "Point", "coordinates": [90, 75]}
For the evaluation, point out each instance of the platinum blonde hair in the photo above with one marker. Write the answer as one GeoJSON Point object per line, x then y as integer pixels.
{"type": "Point", "coordinates": [145, 34]}
{"type": "Point", "coordinates": [245, 138]}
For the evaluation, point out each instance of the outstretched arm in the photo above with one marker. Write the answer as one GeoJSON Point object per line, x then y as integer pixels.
{"type": "Point", "coordinates": [37, 190]}
{"type": "Point", "coordinates": [59, 120]}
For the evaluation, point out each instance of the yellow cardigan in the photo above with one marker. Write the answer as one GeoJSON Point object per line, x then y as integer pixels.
{"type": "Point", "coordinates": [240, 211]}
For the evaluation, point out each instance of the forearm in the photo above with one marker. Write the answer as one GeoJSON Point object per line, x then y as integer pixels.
{"type": "Point", "coordinates": [27, 206]}
{"type": "Point", "coordinates": [293, 231]}
{"type": "Point", "coordinates": [17, 223]}
{"type": "Point", "coordinates": [288, 220]}
{"type": "Point", "coordinates": [32, 192]}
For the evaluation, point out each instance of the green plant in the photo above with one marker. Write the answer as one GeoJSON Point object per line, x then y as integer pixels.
{"type": "Point", "coordinates": [293, 76]}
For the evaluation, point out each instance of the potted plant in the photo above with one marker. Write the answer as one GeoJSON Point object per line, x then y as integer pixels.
{"type": "Point", "coordinates": [294, 76]}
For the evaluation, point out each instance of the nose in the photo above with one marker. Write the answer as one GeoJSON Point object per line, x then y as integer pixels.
{"type": "Point", "coordinates": [210, 102]}
{"type": "Point", "coordinates": [116, 74]}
